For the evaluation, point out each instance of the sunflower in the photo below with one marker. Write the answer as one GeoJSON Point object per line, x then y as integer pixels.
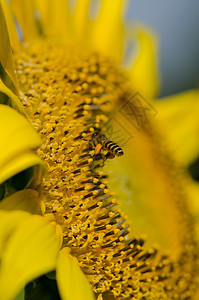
{"type": "Point", "coordinates": [137, 244]}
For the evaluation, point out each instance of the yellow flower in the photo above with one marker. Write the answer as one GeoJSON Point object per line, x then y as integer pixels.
{"type": "Point", "coordinates": [72, 88]}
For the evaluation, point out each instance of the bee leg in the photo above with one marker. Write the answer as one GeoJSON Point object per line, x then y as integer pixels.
{"type": "Point", "coordinates": [98, 156]}
{"type": "Point", "coordinates": [104, 158]}
{"type": "Point", "coordinates": [109, 155]}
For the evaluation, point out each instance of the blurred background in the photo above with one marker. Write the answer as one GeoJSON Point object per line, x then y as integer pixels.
{"type": "Point", "coordinates": [177, 25]}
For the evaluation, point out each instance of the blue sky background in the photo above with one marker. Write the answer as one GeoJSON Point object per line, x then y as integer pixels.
{"type": "Point", "coordinates": [177, 25]}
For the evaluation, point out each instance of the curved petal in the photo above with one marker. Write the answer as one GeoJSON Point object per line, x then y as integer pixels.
{"type": "Point", "coordinates": [180, 124]}
{"type": "Point", "coordinates": [10, 96]}
{"type": "Point", "coordinates": [72, 282]}
{"type": "Point", "coordinates": [24, 11]}
{"type": "Point", "coordinates": [9, 221]}
{"type": "Point", "coordinates": [26, 200]}
{"type": "Point", "coordinates": [14, 40]}
{"type": "Point", "coordinates": [7, 73]}
{"type": "Point", "coordinates": [17, 134]}
{"type": "Point", "coordinates": [29, 251]}
{"type": "Point", "coordinates": [54, 18]}
{"type": "Point", "coordinates": [104, 29]}
{"type": "Point", "coordinates": [144, 72]}
{"type": "Point", "coordinates": [80, 19]}
{"type": "Point", "coordinates": [17, 137]}
{"type": "Point", "coordinates": [20, 163]}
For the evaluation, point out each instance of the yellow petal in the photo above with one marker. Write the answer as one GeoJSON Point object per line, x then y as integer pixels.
{"type": "Point", "coordinates": [7, 73]}
{"type": "Point", "coordinates": [27, 200]}
{"type": "Point", "coordinates": [17, 134]}
{"type": "Point", "coordinates": [80, 18]}
{"type": "Point", "coordinates": [180, 123]}
{"type": "Point", "coordinates": [20, 163]}
{"type": "Point", "coordinates": [54, 17]}
{"type": "Point", "coordinates": [10, 96]}
{"type": "Point", "coordinates": [29, 252]}
{"type": "Point", "coordinates": [8, 223]}
{"type": "Point", "coordinates": [15, 43]}
{"type": "Point", "coordinates": [72, 282]}
{"type": "Point", "coordinates": [108, 31]}
{"type": "Point", "coordinates": [17, 137]}
{"type": "Point", "coordinates": [144, 74]}
{"type": "Point", "coordinates": [24, 11]}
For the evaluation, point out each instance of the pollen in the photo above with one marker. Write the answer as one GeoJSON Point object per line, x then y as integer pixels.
{"type": "Point", "coordinates": [67, 94]}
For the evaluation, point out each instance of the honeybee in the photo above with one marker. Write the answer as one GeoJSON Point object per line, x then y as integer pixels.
{"type": "Point", "coordinates": [100, 142]}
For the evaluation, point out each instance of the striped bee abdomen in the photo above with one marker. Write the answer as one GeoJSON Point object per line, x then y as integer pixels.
{"type": "Point", "coordinates": [112, 147]}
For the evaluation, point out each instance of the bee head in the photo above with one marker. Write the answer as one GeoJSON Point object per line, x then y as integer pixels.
{"type": "Point", "coordinates": [94, 134]}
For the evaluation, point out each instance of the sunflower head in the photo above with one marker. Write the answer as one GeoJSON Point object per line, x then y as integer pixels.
{"type": "Point", "coordinates": [69, 94]}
